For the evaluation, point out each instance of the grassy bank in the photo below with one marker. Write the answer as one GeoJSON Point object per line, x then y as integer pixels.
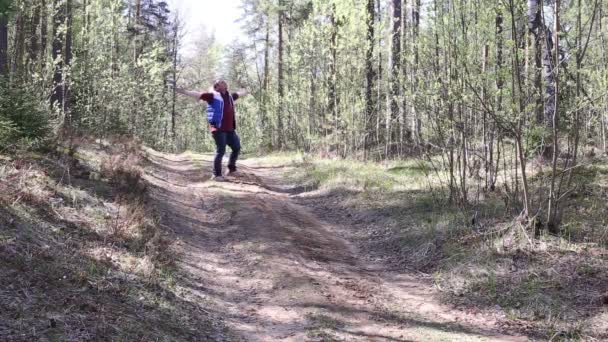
{"type": "Point", "coordinates": [82, 256]}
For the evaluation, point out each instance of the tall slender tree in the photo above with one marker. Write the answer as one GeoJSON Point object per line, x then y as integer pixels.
{"type": "Point", "coordinates": [59, 17]}
{"type": "Point", "coordinates": [19, 45]}
{"type": "Point", "coordinates": [4, 42]}
{"type": "Point", "coordinates": [396, 75]}
{"type": "Point", "coordinates": [370, 76]}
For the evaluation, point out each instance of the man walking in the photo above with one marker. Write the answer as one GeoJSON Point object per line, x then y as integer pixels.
{"type": "Point", "coordinates": [222, 123]}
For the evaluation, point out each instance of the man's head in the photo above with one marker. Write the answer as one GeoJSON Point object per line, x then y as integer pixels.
{"type": "Point", "coordinates": [220, 86]}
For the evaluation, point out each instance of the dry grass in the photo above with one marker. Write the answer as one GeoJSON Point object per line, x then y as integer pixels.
{"type": "Point", "coordinates": [481, 256]}
{"type": "Point", "coordinates": [83, 257]}
{"type": "Point", "coordinates": [19, 182]}
{"type": "Point", "coordinates": [124, 170]}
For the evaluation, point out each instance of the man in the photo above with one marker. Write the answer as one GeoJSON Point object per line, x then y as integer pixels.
{"type": "Point", "coordinates": [222, 123]}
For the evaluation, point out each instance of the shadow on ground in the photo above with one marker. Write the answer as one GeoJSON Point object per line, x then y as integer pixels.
{"type": "Point", "coordinates": [52, 288]}
{"type": "Point", "coordinates": [274, 267]}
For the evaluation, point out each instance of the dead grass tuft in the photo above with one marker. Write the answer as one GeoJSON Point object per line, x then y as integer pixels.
{"type": "Point", "coordinates": [20, 181]}
{"type": "Point", "coordinates": [131, 219]}
{"type": "Point", "coordinates": [124, 170]}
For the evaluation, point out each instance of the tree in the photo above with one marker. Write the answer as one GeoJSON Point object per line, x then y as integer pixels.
{"type": "Point", "coordinates": [4, 42]}
{"type": "Point", "coordinates": [177, 34]}
{"type": "Point", "coordinates": [332, 99]}
{"type": "Point", "coordinates": [280, 75]}
{"type": "Point", "coordinates": [33, 42]}
{"type": "Point", "coordinates": [18, 45]}
{"type": "Point", "coordinates": [43, 35]}
{"type": "Point", "coordinates": [370, 76]}
{"type": "Point", "coordinates": [416, 121]}
{"type": "Point", "coordinates": [554, 105]}
{"type": "Point", "coordinates": [57, 93]}
{"type": "Point", "coordinates": [396, 74]}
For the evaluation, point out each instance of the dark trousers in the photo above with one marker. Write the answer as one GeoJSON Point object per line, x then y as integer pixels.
{"type": "Point", "coordinates": [221, 140]}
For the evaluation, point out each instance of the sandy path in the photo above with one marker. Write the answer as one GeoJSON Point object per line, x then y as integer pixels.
{"type": "Point", "coordinates": [274, 270]}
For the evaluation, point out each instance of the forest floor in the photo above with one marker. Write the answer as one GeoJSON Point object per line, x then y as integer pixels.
{"type": "Point", "coordinates": [281, 266]}
{"type": "Point", "coordinates": [288, 250]}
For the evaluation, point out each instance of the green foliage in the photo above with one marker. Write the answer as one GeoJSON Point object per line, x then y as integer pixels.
{"type": "Point", "coordinates": [21, 119]}
{"type": "Point", "coordinates": [536, 137]}
{"type": "Point", "coordinates": [5, 7]}
{"type": "Point", "coordinates": [8, 131]}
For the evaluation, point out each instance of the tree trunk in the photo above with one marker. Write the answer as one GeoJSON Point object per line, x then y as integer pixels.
{"type": "Point", "coordinates": [264, 93]}
{"type": "Point", "coordinates": [116, 47]}
{"type": "Point", "coordinates": [68, 39]}
{"type": "Point", "coordinates": [86, 60]}
{"type": "Point", "coordinates": [552, 212]}
{"type": "Point", "coordinates": [396, 75]}
{"type": "Point", "coordinates": [43, 36]}
{"type": "Point", "coordinates": [312, 108]}
{"type": "Point", "coordinates": [266, 81]}
{"type": "Point", "coordinates": [280, 77]}
{"type": "Point", "coordinates": [579, 64]}
{"type": "Point", "coordinates": [33, 48]}
{"type": "Point", "coordinates": [549, 69]}
{"type": "Point", "coordinates": [534, 25]}
{"type": "Point", "coordinates": [416, 121]}
{"type": "Point", "coordinates": [137, 27]}
{"type": "Point", "coordinates": [604, 112]}
{"type": "Point", "coordinates": [58, 40]}
{"type": "Point", "coordinates": [499, 98]}
{"type": "Point", "coordinates": [67, 64]}
{"type": "Point", "coordinates": [485, 121]}
{"type": "Point", "coordinates": [543, 34]}
{"type": "Point", "coordinates": [174, 57]}
{"type": "Point", "coordinates": [370, 75]}
{"type": "Point", "coordinates": [3, 46]}
{"type": "Point", "coordinates": [18, 46]}
{"type": "Point", "coordinates": [382, 95]}
{"type": "Point", "coordinates": [538, 80]}
{"type": "Point", "coordinates": [517, 85]}
{"type": "Point", "coordinates": [333, 74]}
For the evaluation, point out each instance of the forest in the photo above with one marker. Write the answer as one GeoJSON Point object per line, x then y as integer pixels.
{"type": "Point", "coordinates": [488, 118]}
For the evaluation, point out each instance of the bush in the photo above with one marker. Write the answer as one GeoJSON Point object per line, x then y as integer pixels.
{"type": "Point", "coordinates": [21, 118]}
{"type": "Point", "coordinates": [8, 131]}
{"type": "Point", "coordinates": [124, 170]}
{"type": "Point", "coordinates": [536, 138]}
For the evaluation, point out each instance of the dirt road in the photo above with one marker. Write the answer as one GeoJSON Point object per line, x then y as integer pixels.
{"type": "Point", "coordinates": [275, 270]}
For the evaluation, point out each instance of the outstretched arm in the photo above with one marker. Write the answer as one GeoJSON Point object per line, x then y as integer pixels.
{"type": "Point", "coordinates": [189, 93]}
{"type": "Point", "coordinates": [238, 94]}
{"type": "Point", "coordinates": [242, 93]}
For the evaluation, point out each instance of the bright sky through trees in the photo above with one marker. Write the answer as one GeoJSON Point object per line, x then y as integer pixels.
{"type": "Point", "coordinates": [218, 16]}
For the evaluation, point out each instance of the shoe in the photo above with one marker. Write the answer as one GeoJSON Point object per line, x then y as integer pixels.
{"type": "Point", "coordinates": [233, 173]}
{"type": "Point", "coordinates": [218, 178]}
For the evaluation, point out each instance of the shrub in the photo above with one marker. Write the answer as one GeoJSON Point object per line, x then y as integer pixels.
{"type": "Point", "coordinates": [536, 137]}
{"type": "Point", "coordinates": [124, 170]}
{"type": "Point", "coordinates": [22, 121]}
